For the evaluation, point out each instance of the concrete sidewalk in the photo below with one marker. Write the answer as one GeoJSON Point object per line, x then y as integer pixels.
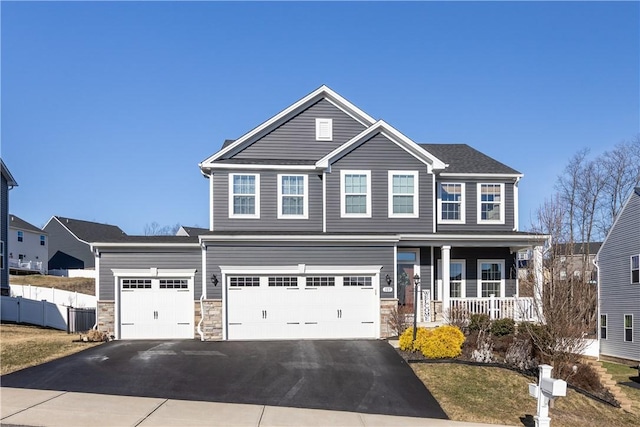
{"type": "Point", "coordinates": [26, 407]}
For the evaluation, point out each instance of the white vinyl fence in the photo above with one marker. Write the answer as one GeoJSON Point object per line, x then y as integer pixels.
{"type": "Point", "coordinates": [43, 313]}
{"type": "Point", "coordinates": [55, 296]}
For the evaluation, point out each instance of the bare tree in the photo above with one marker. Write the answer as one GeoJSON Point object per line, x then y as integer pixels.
{"type": "Point", "coordinates": [155, 229]}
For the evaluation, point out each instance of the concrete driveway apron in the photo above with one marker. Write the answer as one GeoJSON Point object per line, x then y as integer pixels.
{"type": "Point", "coordinates": [358, 376]}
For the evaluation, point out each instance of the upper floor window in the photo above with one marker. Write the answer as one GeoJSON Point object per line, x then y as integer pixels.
{"type": "Point", "coordinates": [355, 193]}
{"type": "Point", "coordinates": [403, 194]}
{"type": "Point", "coordinates": [635, 269]}
{"type": "Point", "coordinates": [43, 240]}
{"type": "Point", "coordinates": [292, 196]}
{"type": "Point", "coordinates": [491, 203]}
{"type": "Point", "coordinates": [451, 202]}
{"type": "Point", "coordinates": [324, 129]}
{"type": "Point", "coordinates": [20, 236]}
{"type": "Point", "coordinates": [244, 195]}
{"type": "Point", "coordinates": [491, 274]}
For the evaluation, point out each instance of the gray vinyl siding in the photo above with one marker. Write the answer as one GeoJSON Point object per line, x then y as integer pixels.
{"type": "Point", "coordinates": [617, 295]}
{"type": "Point", "coordinates": [296, 139]}
{"type": "Point", "coordinates": [60, 239]}
{"type": "Point", "coordinates": [4, 225]}
{"type": "Point", "coordinates": [471, 257]}
{"type": "Point", "coordinates": [292, 254]}
{"type": "Point", "coordinates": [379, 155]}
{"type": "Point", "coordinates": [471, 208]}
{"type": "Point", "coordinates": [268, 220]}
{"type": "Point", "coordinates": [148, 258]}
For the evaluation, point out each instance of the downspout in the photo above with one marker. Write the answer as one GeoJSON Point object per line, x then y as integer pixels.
{"type": "Point", "coordinates": [595, 263]}
{"type": "Point", "coordinates": [97, 283]}
{"type": "Point", "coordinates": [203, 295]}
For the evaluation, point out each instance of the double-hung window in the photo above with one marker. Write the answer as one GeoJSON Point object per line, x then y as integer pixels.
{"type": "Point", "coordinates": [293, 201]}
{"type": "Point", "coordinates": [451, 202]}
{"type": "Point", "coordinates": [628, 327]}
{"type": "Point", "coordinates": [355, 193]}
{"type": "Point", "coordinates": [43, 240]}
{"type": "Point", "coordinates": [491, 203]}
{"type": "Point", "coordinates": [403, 194]}
{"type": "Point", "coordinates": [244, 195]}
{"type": "Point", "coordinates": [20, 236]}
{"type": "Point", "coordinates": [457, 277]}
{"type": "Point", "coordinates": [491, 274]}
{"type": "Point", "coordinates": [635, 269]}
{"type": "Point", "coordinates": [603, 326]}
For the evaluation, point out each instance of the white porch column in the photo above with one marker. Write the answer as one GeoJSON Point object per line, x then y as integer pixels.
{"type": "Point", "coordinates": [446, 276]}
{"type": "Point", "coordinates": [538, 280]}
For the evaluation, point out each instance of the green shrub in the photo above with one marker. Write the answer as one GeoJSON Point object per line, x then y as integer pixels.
{"type": "Point", "coordinates": [406, 339]}
{"type": "Point", "coordinates": [502, 327]}
{"type": "Point", "coordinates": [443, 343]}
{"type": "Point", "coordinates": [479, 322]}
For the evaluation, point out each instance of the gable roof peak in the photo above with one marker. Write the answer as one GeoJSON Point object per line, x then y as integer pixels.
{"type": "Point", "coordinates": [322, 92]}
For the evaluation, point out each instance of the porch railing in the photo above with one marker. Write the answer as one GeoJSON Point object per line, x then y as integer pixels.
{"type": "Point", "coordinates": [26, 265]}
{"type": "Point", "coordinates": [516, 308]}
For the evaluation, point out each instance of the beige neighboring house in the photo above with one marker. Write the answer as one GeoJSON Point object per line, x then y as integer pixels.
{"type": "Point", "coordinates": [28, 247]}
{"type": "Point", "coordinates": [577, 260]}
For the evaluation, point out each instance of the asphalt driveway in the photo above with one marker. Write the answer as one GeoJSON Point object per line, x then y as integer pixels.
{"type": "Point", "coordinates": [357, 376]}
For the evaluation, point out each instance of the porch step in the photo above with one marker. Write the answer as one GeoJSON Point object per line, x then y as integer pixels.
{"type": "Point", "coordinates": [607, 381]}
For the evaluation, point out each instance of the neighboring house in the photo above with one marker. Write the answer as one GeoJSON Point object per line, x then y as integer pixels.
{"type": "Point", "coordinates": [29, 247]}
{"type": "Point", "coordinates": [320, 218]}
{"type": "Point", "coordinates": [577, 259]}
{"type": "Point", "coordinates": [191, 231]}
{"type": "Point", "coordinates": [7, 183]}
{"type": "Point", "coordinates": [619, 284]}
{"type": "Point", "coordinates": [69, 242]}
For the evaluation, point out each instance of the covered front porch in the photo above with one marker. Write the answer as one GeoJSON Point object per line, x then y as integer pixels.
{"type": "Point", "coordinates": [453, 277]}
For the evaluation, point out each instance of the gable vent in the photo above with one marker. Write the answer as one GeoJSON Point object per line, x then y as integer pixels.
{"type": "Point", "coordinates": [324, 129]}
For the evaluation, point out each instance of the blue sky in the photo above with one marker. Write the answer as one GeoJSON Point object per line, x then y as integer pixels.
{"type": "Point", "coordinates": [107, 108]}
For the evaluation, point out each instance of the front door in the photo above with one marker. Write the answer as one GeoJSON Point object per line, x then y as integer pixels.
{"type": "Point", "coordinates": [406, 267]}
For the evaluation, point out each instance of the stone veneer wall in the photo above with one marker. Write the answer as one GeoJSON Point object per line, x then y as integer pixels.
{"type": "Point", "coordinates": [106, 317]}
{"type": "Point", "coordinates": [212, 325]}
{"type": "Point", "coordinates": [386, 308]}
{"type": "Point", "coordinates": [436, 311]}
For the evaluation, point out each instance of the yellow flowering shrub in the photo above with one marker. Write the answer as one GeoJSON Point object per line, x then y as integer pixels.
{"type": "Point", "coordinates": [443, 343]}
{"type": "Point", "coordinates": [407, 336]}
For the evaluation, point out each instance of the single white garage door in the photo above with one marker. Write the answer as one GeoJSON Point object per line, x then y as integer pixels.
{"type": "Point", "coordinates": [301, 307]}
{"type": "Point", "coordinates": [156, 308]}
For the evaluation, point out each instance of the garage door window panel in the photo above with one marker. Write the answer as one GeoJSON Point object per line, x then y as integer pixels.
{"type": "Point", "coordinates": [357, 281]}
{"type": "Point", "coordinates": [243, 282]}
{"type": "Point", "coordinates": [320, 281]}
{"type": "Point", "coordinates": [283, 281]}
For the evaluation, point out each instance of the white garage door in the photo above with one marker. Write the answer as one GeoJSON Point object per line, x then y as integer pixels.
{"type": "Point", "coordinates": [301, 307]}
{"type": "Point", "coordinates": [156, 308]}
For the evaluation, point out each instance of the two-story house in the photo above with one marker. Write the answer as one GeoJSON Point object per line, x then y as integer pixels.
{"type": "Point", "coordinates": [29, 247]}
{"type": "Point", "coordinates": [7, 182]}
{"type": "Point", "coordinates": [618, 264]}
{"type": "Point", "coordinates": [322, 219]}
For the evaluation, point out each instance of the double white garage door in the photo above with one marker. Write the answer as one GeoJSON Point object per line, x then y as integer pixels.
{"type": "Point", "coordinates": [301, 307]}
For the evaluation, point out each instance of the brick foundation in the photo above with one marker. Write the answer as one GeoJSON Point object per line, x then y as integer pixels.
{"type": "Point", "coordinates": [211, 327]}
{"type": "Point", "coordinates": [106, 317]}
{"type": "Point", "coordinates": [386, 308]}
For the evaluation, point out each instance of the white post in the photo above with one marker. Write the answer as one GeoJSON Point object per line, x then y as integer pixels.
{"type": "Point", "coordinates": [492, 306]}
{"type": "Point", "coordinates": [542, 417]}
{"type": "Point", "coordinates": [446, 278]}
{"type": "Point", "coordinates": [538, 281]}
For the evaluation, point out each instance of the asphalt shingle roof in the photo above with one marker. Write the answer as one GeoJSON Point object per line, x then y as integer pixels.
{"type": "Point", "coordinates": [20, 223]}
{"type": "Point", "coordinates": [91, 231]}
{"type": "Point", "coordinates": [462, 158]}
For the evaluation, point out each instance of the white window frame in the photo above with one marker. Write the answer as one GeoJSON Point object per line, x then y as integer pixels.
{"type": "Point", "coordinates": [20, 236]}
{"type": "Point", "coordinates": [43, 240]}
{"type": "Point", "coordinates": [502, 276]}
{"type": "Point", "coordinates": [462, 218]}
{"type": "Point", "coordinates": [305, 197]}
{"type": "Point", "coordinates": [605, 327]}
{"type": "Point", "coordinates": [320, 123]}
{"type": "Point", "coordinates": [631, 269]}
{"type": "Point", "coordinates": [415, 195]}
{"type": "Point", "coordinates": [343, 195]}
{"type": "Point", "coordinates": [501, 203]}
{"type": "Point", "coordinates": [256, 214]}
{"type": "Point", "coordinates": [463, 281]}
{"type": "Point", "coordinates": [624, 327]}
